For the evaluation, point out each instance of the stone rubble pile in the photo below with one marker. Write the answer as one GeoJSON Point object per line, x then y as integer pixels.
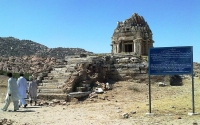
{"type": "Point", "coordinates": [82, 74]}
{"type": "Point", "coordinates": [93, 74]}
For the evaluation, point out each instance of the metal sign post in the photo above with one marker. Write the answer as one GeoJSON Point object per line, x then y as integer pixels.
{"type": "Point", "coordinates": [149, 95]}
{"type": "Point", "coordinates": [193, 108]}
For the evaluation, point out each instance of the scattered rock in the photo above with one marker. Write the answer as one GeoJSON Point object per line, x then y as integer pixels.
{"type": "Point", "coordinates": [55, 101]}
{"type": "Point", "coordinates": [51, 104]}
{"type": "Point", "coordinates": [195, 123]}
{"type": "Point", "coordinates": [125, 115]}
{"type": "Point", "coordinates": [133, 112]}
{"type": "Point", "coordinates": [91, 99]}
{"type": "Point", "coordinates": [172, 106]}
{"type": "Point", "coordinates": [99, 90]}
{"type": "Point", "coordinates": [63, 103]}
{"type": "Point", "coordinates": [161, 84]}
{"type": "Point", "coordinates": [178, 117]}
{"type": "Point", "coordinates": [93, 95]}
{"type": "Point", "coordinates": [119, 111]}
{"type": "Point", "coordinates": [5, 121]}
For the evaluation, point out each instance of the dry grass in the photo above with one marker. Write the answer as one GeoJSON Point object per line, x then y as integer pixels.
{"type": "Point", "coordinates": [166, 100]}
{"type": "Point", "coordinates": [176, 100]}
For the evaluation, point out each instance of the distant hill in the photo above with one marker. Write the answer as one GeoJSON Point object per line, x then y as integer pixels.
{"type": "Point", "coordinates": [10, 46]}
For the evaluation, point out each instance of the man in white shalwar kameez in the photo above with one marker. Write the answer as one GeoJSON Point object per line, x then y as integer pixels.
{"type": "Point", "coordinates": [12, 93]}
{"type": "Point", "coordinates": [23, 89]}
{"type": "Point", "coordinates": [32, 90]}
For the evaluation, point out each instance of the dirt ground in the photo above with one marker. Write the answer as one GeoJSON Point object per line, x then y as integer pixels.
{"type": "Point", "coordinates": [170, 105]}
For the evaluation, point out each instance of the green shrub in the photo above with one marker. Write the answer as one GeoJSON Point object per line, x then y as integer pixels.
{"type": "Point", "coordinates": [16, 75]}
{"type": "Point", "coordinates": [2, 72]}
{"type": "Point", "coordinates": [26, 75]}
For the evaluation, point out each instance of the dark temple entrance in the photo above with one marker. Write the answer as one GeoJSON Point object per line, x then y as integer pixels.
{"type": "Point", "coordinates": [128, 48]}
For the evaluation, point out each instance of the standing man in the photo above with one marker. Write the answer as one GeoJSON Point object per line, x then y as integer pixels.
{"type": "Point", "coordinates": [12, 93]}
{"type": "Point", "coordinates": [23, 89]}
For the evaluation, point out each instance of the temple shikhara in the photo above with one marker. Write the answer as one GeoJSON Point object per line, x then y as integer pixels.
{"type": "Point", "coordinates": [132, 36]}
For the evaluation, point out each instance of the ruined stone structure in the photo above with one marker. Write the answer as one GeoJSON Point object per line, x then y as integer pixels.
{"type": "Point", "coordinates": [132, 36]}
{"type": "Point", "coordinates": [81, 73]}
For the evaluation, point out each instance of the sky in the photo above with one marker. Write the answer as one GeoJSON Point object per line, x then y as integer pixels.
{"type": "Point", "coordinates": [90, 24]}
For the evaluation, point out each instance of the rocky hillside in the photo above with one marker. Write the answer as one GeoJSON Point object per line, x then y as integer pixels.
{"type": "Point", "coordinates": [10, 46]}
{"type": "Point", "coordinates": [196, 69]}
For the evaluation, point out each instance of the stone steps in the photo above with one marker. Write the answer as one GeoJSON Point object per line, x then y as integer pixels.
{"type": "Point", "coordinates": [51, 83]}
{"type": "Point", "coordinates": [58, 71]}
{"type": "Point", "coordinates": [57, 77]}
{"type": "Point", "coordinates": [60, 78]}
{"type": "Point", "coordinates": [51, 91]}
{"type": "Point", "coordinates": [60, 74]}
{"type": "Point", "coordinates": [48, 87]}
{"type": "Point", "coordinates": [55, 80]}
{"type": "Point", "coordinates": [57, 74]}
{"type": "Point", "coordinates": [50, 96]}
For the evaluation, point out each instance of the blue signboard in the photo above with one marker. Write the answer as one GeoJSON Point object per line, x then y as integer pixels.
{"type": "Point", "coordinates": [170, 60]}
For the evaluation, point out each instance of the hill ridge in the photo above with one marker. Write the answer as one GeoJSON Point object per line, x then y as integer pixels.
{"type": "Point", "coordinates": [11, 46]}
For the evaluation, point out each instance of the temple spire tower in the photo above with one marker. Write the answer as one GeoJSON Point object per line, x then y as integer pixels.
{"type": "Point", "coordinates": [132, 36]}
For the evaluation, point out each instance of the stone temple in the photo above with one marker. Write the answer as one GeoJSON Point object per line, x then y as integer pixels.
{"type": "Point", "coordinates": [132, 36]}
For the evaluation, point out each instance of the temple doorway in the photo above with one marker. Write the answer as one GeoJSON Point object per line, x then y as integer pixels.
{"type": "Point", "coordinates": [128, 48]}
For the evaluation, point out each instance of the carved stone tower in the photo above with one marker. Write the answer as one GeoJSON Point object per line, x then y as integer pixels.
{"type": "Point", "coordinates": [132, 36]}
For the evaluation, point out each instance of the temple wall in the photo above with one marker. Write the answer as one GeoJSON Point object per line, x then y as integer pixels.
{"type": "Point", "coordinates": [116, 67]}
